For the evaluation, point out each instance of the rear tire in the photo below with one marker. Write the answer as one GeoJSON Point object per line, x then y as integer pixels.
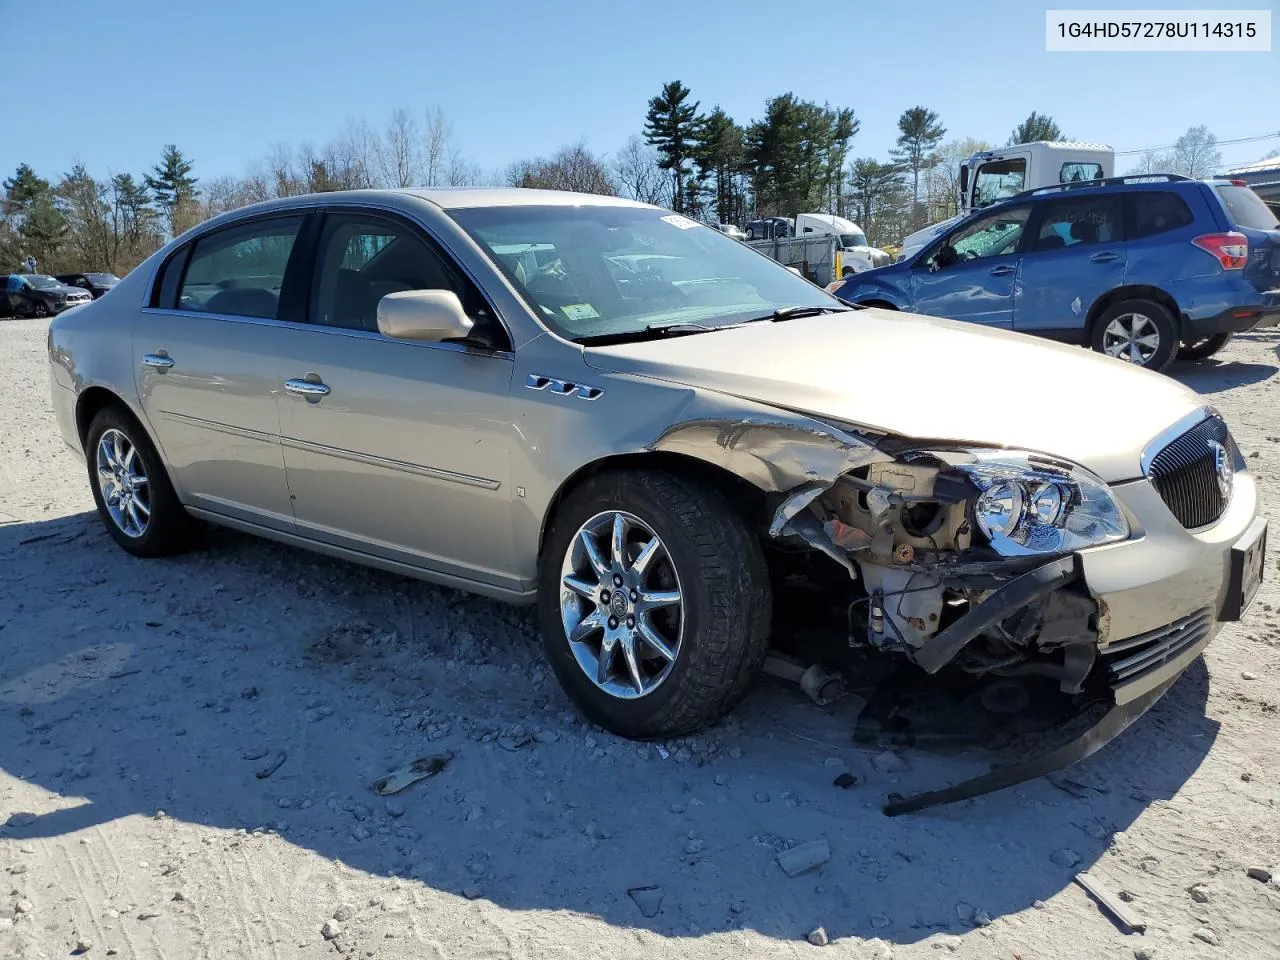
{"type": "Point", "coordinates": [1141, 332]}
{"type": "Point", "coordinates": [131, 488]}
{"type": "Point", "coordinates": [1203, 349]}
{"type": "Point", "coordinates": [717, 632]}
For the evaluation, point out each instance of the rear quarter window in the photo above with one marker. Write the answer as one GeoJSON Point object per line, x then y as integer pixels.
{"type": "Point", "coordinates": [1245, 208]}
{"type": "Point", "coordinates": [1153, 212]}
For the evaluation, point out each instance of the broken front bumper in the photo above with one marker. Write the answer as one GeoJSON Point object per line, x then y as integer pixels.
{"type": "Point", "coordinates": [1162, 596]}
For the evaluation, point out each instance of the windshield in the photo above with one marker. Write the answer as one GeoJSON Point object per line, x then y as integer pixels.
{"type": "Point", "coordinates": [848, 240]}
{"type": "Point", "coordinates": [595, 271]}
{"type": "Point", "coordinates": [41, 282]}
{"type": "Point", "coordinates": [1246, 207]}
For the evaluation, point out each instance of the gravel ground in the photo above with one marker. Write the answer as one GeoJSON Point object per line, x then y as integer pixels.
{"type": "Point", "coordinates": [187, 748]}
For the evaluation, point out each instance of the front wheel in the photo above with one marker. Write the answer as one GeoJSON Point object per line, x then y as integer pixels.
{"type": "Point", "coordinates": [654, 602]}
{"type": "Point", "coordinates": [39, 311]}
{"type": "Point", "coordinates": [1203, 349]}
{"type": "Point", "coordinates": [1141, 332]}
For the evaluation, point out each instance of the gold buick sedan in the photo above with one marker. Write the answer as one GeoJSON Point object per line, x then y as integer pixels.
{"type": "Point", "coordinates": [647, 428]}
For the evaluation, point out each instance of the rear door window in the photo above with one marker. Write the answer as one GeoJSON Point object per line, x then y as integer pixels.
{"type": "Point", "coordinates": [1246, 208]}
{"type": "Point", "coordinates": [1153, 212]}
{"type": "Point", "coordinates": [1077, 221]}
{"type": "Point", "coordinates": [240, 271]}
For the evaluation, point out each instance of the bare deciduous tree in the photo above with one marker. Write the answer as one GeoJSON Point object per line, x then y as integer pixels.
{"type": "Point", "coordinates": [636, 170]}
{"type": "Point", "coordinates": [571, 168]}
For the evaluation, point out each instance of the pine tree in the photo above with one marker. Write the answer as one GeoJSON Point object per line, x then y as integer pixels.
{"type": "Point", "coordinates": [720, 158]}
{"type": "Point", "coordinates": [23, 188]}
{"type": "Point", "coordinates": [173, 187]}
{"type": "Point", "coordinates": [919, 134]}
{"type": "Point", "coordinates": [1036, 127]}
{"type": "Point", "coordinates": [673, 125]}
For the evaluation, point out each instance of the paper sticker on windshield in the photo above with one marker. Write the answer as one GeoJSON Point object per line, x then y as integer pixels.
{"type": "Point", "coordinates": [579, 311]}
{"type": "Point", "coordinates": [684, 223]}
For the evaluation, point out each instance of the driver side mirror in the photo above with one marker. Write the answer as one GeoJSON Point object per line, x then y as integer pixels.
{"type": "Point", "coordinates": [429, 316]}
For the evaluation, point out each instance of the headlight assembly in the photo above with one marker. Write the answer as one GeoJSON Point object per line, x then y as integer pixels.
{"type": "Point", "coordinates": [1025, 507]}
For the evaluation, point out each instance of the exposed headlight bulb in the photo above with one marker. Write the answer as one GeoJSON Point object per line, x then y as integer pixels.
{"type": "Point", "coordinates": [1046, 503]}
{"type": "Point", "coordinates": [1000, 508]}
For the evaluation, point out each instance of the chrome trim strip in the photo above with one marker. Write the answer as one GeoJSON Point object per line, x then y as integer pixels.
{"type": "Point", "coordinates": [1171, 433]}
{"type": "Point", "coordinates": [434, 473]}
{"type": "Point", "coordinates": [217, 427]}
{"type": "Point", "coordinates": [333, 331]}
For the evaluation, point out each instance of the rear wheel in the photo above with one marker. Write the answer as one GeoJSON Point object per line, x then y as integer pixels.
{"type": "Point", "coordinates": [1141, 332]}
{"type": "Point", "coordinates": [1203, 349]}
{"type": "Point", "coordinates": [654, 601]}
{"type": "Point", "coordinates": [131, 488]}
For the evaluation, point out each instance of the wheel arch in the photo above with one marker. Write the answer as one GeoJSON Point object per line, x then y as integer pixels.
{"type": "Point", "coordinates": [873, 302]}
{"type": "Point", "coordinates": [742, 494]}
{"type": "Point", "coordinates": [92, 401]}
{"type": "Point", "coordinates": [1136, 291]}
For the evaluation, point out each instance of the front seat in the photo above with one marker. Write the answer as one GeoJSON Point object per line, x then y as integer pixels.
{"type": "Point", "coordinates": [1084, 231]}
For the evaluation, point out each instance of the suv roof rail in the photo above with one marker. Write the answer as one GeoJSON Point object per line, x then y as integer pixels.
{"type": "Point", "coordinates": [1105, 182]}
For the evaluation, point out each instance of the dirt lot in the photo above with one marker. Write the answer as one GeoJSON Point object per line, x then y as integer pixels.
{"type": "Point", "coordinates": [145, 704]}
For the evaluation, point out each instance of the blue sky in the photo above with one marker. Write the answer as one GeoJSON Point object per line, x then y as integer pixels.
{"type": "Point", "coordinates": [224, 79]}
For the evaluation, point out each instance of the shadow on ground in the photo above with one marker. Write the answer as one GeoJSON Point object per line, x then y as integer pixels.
{"type": "Point", "coordinates": [131, 686]}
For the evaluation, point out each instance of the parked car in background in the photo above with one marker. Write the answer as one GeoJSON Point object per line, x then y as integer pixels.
{"type": "Point", "coordinates": [96, 283]}
{"type": "Point", "coordinates": [647, 429]}
{"type": "Point", "coordinates": [35, 295]}
{"type": "Point", "coordinates": [1139, 268]}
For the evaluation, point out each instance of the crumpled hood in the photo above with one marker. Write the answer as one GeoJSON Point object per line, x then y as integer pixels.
{"type": "Point", "coordinates": [928, 378]}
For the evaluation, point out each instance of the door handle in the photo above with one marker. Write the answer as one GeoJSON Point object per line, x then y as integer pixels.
{"type": "Point", "coordinates": [1104, 257]}
{"type": "Point", "coordinates": [306, 388]}
{"type": "Point", "coordinates": [161, 361]}
{"type": "Point", "coordinates": [1002, 271]}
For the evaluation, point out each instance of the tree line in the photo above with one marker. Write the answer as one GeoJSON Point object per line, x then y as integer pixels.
{"type": "Point", "coordinates": [798, 156]}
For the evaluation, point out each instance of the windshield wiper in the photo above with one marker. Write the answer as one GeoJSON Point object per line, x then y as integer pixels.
{"type": "Point", "coordinates": [791, 313]}
{"type": "Point", "coordinates": [651, 332]}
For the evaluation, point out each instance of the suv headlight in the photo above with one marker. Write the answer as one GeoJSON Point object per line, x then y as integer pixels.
{"type": "Point", "coordinates": [1026, 506]}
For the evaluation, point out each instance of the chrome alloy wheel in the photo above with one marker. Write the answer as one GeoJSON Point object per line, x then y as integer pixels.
{"type": "Point", "coordinates": [621, 605]}
{"type": "Point", "coordinates": [1132, 337]}
{"type": "Point", "coordinates": [122, 480]}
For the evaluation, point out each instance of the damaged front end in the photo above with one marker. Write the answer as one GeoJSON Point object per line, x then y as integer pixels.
{"type": "Point", "coordinates": [965, 557]}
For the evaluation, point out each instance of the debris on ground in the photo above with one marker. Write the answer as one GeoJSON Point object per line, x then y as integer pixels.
{"type": "Point", "coordinates": [1065, 857]}
{"type": "Point", "coordinates": [410, 774]}
{"type": "Point", "coordinates": [1207, 936]}
{"type": "Point", "coordinates": [1127, 919]}
{"type": "Point", "coordinates": [276, 763]}
{"type": "Point", "coordinates": [889, 762]}
{"type": "Point", "coordinates": [331, 930]}
{"type": "Point", "coordinates": [845, 781]}
{"type": "Point", "coordinates": [1261, 874]}
{"type": "Point", "coordinates": [513, 742]}
{"type": "Point", "coordinates": [82, 946]}
{"type": "Point", "coordinates": [804, 857]}
{"type": "Point", "coordinates": [1199, 893]}
{"type": "Point", "coordinates": [648, 899]}
{"type": "Point", "coordinates": [818, 937]}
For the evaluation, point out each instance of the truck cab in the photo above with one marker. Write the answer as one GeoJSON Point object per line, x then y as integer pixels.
{"type": "Point", "coordinates": [993, 175]}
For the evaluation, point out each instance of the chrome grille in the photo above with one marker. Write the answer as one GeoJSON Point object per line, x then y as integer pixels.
{"type": "Point", "coordinates": [1132, 658]}
{"type": "Point", "coordinates": [1185, 473]}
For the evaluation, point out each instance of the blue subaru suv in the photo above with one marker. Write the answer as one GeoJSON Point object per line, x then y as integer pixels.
{"type": "Point", "coordinates": [1140, 268]}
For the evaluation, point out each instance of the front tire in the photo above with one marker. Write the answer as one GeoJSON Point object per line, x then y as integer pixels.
{"type": "Point", "coordinates": [1141, 332]}
{"type": "Point", "coordinates": [1203, 349]}
{"type": "Point", "coordinates": [39, 311]}
{"type": "Point", "coordinates": [131, 488]}
{"type": "Point", "coordinates": [654, 601]}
